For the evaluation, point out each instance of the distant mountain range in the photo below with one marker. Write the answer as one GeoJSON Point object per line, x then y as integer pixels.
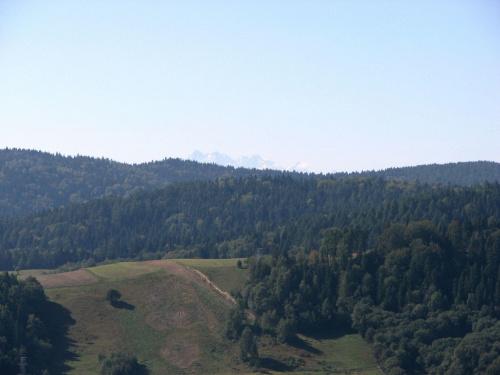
{"type": "Point", "coordinates": [254, 161]}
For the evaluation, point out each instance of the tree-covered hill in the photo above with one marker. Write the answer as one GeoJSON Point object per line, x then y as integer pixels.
{"type": "Point", "coordinates": [233, 218]}
{"type": "Point", "coordinates": [463, 174]}
{"type": "Point", "coordinates": [31, 181]}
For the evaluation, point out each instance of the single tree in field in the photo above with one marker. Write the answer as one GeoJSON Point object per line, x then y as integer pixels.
{"type": "Point", "coordinates": [113, 296]}
{"type": "Point", "coordinates": [119, 364]}
{"type": "Point", "coordinates": [234, 325]}
{"type": "Point", "coordinates": [248, 347]}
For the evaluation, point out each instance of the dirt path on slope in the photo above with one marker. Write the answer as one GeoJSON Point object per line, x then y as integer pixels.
{"type": "Point", "coordinates": [192, 275]}
{"type": "Point", "coordinates": [84, 277]}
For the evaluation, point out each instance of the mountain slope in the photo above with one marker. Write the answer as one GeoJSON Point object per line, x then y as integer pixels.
{"type": "Point", "coordinates": [232, 218]}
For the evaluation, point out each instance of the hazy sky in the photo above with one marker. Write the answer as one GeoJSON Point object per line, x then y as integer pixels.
{"type": "Point", "coordinates": [341, 85]}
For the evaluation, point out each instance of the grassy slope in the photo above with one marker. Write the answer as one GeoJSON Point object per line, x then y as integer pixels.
{"type": "Point", "coordinates": [174, 326]}
{"type": "Point", "coordinates": [167, 322]}
{"type": "Point", "coordinates": [222, 272]}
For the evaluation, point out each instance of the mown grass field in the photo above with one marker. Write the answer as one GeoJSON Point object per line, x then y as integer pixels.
{"type": "Point", "coordinates": [173, 323]}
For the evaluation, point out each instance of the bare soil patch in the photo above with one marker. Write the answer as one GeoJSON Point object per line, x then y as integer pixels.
{"type": "Point", "coordinates": [73, 278]}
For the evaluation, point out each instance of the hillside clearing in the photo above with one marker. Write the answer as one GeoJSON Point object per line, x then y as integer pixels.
{"type": "Point", "coordinates": [157, 309]}
{"type": "Point", "coordinates": [172, 317]}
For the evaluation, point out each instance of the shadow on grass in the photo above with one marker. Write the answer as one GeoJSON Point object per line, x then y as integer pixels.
{"type": "Point", "coordinates": [121, 363]}
{"type": "Point", "coordinates": [267, 364]}
{"type": "Point", "coordinates": [272, 364]}
{"type": "Point", "coordinates": [58, 319]}
{"type": "Point", "coordinates": [142, 370]}
{"type": "Point", "coordinates": [332, 333]}
{"type": "Point", "coordinates": [122, 305]}
{"type": "Point", "coordinates": [327, 334]}
{"type": "Point", "coordinates": [298, 343]}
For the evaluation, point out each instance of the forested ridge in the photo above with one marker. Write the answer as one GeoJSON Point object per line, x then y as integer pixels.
{"type": "Point", "coordinates": [31, 181]}
{"type": "Point", "coordinates": [462, 173]}
{"type": "Point", "coordinates": [233, 218]}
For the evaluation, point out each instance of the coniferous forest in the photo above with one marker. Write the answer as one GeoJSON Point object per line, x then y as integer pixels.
{"type": "Point", "coordinates": [33, 180]}
{"type": "Point", "coordinates": [411, 263]}
{"type": "Point", "coordinates": [233, 218]}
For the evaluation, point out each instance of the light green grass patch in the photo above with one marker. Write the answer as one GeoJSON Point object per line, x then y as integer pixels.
{"type": "Point", "coordinates": [228, 279]}
{"type": "Point", "coordinates": [348, 353]}
{"type": "Point", "coordinates": [35, 272]}
{"type": "Point", "coordinates": [122, 270]}
{"type": "Point", "coordinates": [222, 272]}
{"type": "Point", "coordinates": [26, 273]}
{"type": "Point", "coordinates": [209, 263]}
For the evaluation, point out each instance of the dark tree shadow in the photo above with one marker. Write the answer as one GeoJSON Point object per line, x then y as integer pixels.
{"type": "Point", "coordinates": [118, 361]}
{"type": "Point", "coordinates": [298, 343]}
{"type": "Point", "coordinates": [273, 365]}
{"type": "Point", "coordinates": [327, 334]}
{"type": "Point", "coordinates": [143, 370]}
{"type": "Point", "coordinates": [58, 320]}
{"type": "Point", "coordinates": [122, 305]}
{"type": "Point", "coordinates": [335, 332]}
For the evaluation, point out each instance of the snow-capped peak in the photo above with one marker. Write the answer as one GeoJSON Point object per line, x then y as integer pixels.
{"type": "Point", "coordinates": [254, 161]}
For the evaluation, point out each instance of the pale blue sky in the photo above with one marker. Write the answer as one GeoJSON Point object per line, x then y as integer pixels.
{"type": "Point", "coordinates": [340, 85]}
